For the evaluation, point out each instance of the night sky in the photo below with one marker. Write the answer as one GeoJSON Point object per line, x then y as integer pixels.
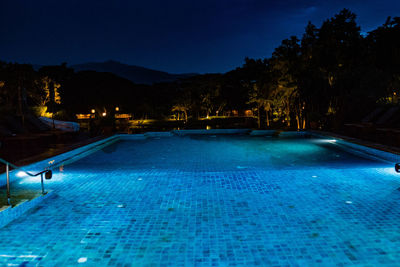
{"type": "Point", "coordinates": [175, 36]}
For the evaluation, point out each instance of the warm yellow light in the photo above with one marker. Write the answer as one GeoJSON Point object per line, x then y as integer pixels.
{"type": "Point", "coordinates": [104, 114]}
{"type": "Point", "coordinates": [93, 111]}
{"type": "Point", "coordinates": [122, 116]}
{"type": "Point", "coordinates": [394, 93]}
{"type": "Point", "coordinates": [48, 115]}
{"type": "Point", "coordinates": [117, 109]}
{"type": "Point", "coordinates": [83, 116]}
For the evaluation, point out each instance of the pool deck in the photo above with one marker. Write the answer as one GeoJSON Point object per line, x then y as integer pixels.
{"type": "Point", "coordinates": [57, 151]}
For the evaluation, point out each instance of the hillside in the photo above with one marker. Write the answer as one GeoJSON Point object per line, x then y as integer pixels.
{"type": "Point", "coordinates": [136, 74]}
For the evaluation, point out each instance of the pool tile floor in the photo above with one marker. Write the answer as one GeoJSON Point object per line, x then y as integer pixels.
{"type": "Point", "coordinates": [124, 216]}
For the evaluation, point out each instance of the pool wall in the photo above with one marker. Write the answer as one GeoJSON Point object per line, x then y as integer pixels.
{"type": "Point", "coordinates": [8, 213]}
{"type": "Point", "coordinates": [360, 150]}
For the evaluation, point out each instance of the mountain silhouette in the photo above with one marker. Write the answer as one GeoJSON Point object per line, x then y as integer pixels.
{"type": "Point", "coordinates": [136, 74]}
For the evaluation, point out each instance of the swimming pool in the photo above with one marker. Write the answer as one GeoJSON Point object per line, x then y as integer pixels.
{"type": "Point", "coordinates": [213, 200]}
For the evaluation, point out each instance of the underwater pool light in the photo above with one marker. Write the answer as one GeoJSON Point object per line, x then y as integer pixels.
{"type": "Point", "coordinates": [20, 174]}
{"type": "Point", "coordinates": [397, 167]}
{"type": "Point", "coordinates": [82, 260]}
{"type": "Point", "coordinates": [325, 141]}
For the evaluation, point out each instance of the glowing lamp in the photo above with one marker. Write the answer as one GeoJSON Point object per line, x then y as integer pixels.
{"type": "Point", "coordinates": [104, 114]}
{"type": "Point", "coordinates": [93, 111]}
{"type": "Point", "coordinates": [117, 109]}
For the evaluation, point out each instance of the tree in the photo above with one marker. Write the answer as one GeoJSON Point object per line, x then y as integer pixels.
{"type": "Point", "coordinates": [50, 91]}
{"type": "Point", "coordinates": [256, 79]}
{"type": "Point", "coordinates": [285, 63]}
{"type": "Point", "coordinates": [181, 108]}
{"type": "Point", "coordinates": [53, 78]}
{"type": "Point", "coordinates": [184, 104]}
{"type": "Point", "coordinates": [384, 53]}
{"type": "Point", "coordinates": [18, 81]}
{"type": "Point", "coordinates": [339, 51]}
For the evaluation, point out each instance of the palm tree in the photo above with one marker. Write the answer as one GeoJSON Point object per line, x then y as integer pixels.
{"type": "Point", "coordinates": [181, 108]}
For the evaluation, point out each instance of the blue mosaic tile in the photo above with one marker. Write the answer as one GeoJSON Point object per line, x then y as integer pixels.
{"type": "Point", "coordinates": [213, 201]}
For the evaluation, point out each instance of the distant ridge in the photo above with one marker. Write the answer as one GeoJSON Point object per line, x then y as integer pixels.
{"type": "Point", "coordinates": [136, 74]}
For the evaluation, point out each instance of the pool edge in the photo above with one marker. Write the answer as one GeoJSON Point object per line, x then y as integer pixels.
{"type": "Point", "coordinates": [9, 214]}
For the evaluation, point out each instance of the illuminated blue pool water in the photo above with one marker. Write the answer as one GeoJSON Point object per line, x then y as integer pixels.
{"type": "Point", "coordinates": [214, 201]}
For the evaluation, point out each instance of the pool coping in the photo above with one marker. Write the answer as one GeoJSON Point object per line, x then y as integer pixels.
{"type": "Point", "coordinates": [58, 151]}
